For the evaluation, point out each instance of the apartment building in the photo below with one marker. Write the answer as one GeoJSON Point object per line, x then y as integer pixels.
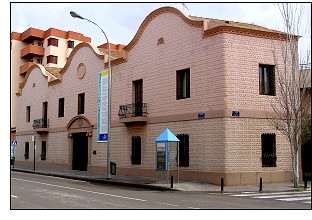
{"type": "Point", "coordinates": [209, 81]}
{"type": "Point", "coordinates": [50, 48]}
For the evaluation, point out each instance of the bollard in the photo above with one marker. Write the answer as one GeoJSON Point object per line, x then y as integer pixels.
{"type": "Point", "coordinates": [171, 181]}
{"type": "Point", "coordinates": [305, 184]}
{"type": "Point", "coordinates": [221, 184]}
{"type": "Point", "coordinates": [260, 188]}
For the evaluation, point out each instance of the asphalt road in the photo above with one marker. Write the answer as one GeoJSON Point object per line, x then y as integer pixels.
{"type": "Point", "coordinates": [31, 191]}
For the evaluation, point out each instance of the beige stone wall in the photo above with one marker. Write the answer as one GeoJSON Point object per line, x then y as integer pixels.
{"type": "Point", "coordinates": [224, 77]}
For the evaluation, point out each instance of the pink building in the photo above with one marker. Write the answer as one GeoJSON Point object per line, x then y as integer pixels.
{"type": "Point", "coordinates": [209, 81]}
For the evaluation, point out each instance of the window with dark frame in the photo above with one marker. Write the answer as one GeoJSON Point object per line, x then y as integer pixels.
{"type": "Point", "coordinates": [136, 151]}
{"type": "Point", "coordinates": [267, 80]}
{"type": "Point", "coordinates": [28, 114]}
{"type": "Point", "coordinates": [53, 42]}
{"type": "Point", "coordinates": [61, 107]}
{"type": "Point", "coordinates": [52, 59]}
{"type": "Point", "coordinates": [43, 150]}
{"type": "Point", "coordinates": [81, 103]}
{"type": "Point", "coordinates": [183, 84]}
{"type": "Point", "coordinates": [183, 150]}
{"type": "Point", "coordinates": [268, 147]}
{"type": "Point", "coordinates": [26, 152]}
{"type": "Point", "coordinates": [70, 44]}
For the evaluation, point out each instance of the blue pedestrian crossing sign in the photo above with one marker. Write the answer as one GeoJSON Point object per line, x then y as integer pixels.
{"type": "Point", "coordinates": [14, 143]}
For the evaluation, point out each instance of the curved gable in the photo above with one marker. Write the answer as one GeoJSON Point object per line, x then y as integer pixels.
{"type": "Point", "coordinates": [44, 72]}
{"type": "Point", "coordinates": [75, 50]}
{"type": "Point", "coordinates": [156, 13]}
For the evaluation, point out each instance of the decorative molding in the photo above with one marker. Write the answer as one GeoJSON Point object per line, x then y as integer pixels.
{"type": "Point", "coordinates": [244, 32]}
{"type": "Point", "coordinates": [81, 70]}
{"type": "Point", "coordinates": [160, 41]}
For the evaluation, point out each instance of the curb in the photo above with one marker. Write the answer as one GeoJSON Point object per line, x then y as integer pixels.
{"type": "Point", "coordinates": [102, 181]}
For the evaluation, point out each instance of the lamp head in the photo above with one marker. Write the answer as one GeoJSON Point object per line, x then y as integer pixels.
{"type": "Point", "coordinates": [75, 15]}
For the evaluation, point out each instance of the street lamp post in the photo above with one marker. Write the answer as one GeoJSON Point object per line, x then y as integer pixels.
{"type": "Point", "coordinates": [75, 15]}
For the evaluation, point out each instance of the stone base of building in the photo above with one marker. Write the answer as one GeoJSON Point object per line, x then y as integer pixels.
{"type": "Point", "coordinates": [229, 178]}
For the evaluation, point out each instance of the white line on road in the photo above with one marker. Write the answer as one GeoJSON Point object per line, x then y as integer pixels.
{"type": "Point", "coordinates": [192, 208]}
{"type": "Point", "coordinates": [166, 204]}
{"type": "Point", "coordinates": [307, 202]}
{"type": "Point", "coordinates": [295, 199]}
{"type": "Point", "coordinates": [262, 194]}
{"type": "Point", "coordinates": [278, 196]}
{"type": "Point", "coordinates": [14, 196]}
{"type": "Point", "coordinates": [82, 190]}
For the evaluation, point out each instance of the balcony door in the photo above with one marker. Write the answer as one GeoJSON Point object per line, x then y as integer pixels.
{"type": "Point", "coordinates": [138, 97]}
{"type": "Point", "coordinates": [45, 115]}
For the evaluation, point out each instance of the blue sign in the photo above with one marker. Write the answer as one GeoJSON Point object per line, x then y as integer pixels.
{"type": "Point", "coordinates": [14, 143]}
{"type": "Point", "coordinates": [235, 113]}
{"type": "Point", "coordinates": [201, 115]}
{"type": "Point", "coordinates": [102, 137]}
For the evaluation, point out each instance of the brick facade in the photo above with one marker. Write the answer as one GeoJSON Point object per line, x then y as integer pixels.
{"type": "Point", "coordinates": [224, 77]}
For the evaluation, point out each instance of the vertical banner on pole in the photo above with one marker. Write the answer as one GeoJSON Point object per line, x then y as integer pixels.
{"type": "Point", "coordinates": [102, 131]}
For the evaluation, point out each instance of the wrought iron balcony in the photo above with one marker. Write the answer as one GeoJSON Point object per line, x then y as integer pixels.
{"type": "Point", "coordinates": [133, 113]}
{"type": "Point", "coordinates": [41, 125]}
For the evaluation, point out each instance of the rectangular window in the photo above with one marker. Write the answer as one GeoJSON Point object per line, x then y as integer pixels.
{"type": "Point", "coordinates": [43, 150]}
{"type": "Point", "coordinates": [136, 151]}
{"type": "Point", "coordinates": [70, 44]}
{"type": "Point", "coordinates": [268, 143]}
{"type": "Point", "coordinates": [26, 153]}
{"type": "Point", "coordinates": [183, 84]}
{"type": "Point", "coordinates": [39, 61]}
{"type": "Point", "coordinates": [52, 59]}
{"type": "Point", "coordinates": [28, 114]}
{"type": "Point", "coordinates": [61, 107]}
{"type": "Point", "coordinates": [138, 97]}
{"type": "Point", "coordinates": [40, 43]}
{"type": "Point", "coordinates": [53, 42]}
{"type": "Point", "coordinates": [81, 102]}
{"type": "Point", "coordinates": [183, 150]}
{"type": "Point", "coordinates": [266, 80]}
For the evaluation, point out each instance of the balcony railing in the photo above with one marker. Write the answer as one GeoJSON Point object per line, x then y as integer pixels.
{"type": "Point", "coordinates": [133, 110]}
{"type": "Point", "coordinates": [41, 123]}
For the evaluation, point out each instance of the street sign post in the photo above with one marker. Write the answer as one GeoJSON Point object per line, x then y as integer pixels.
{"type": "Point", "coordinates": [34, 140]}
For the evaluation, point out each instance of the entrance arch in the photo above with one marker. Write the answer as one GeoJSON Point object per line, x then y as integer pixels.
{"type": "Point", "coordinates": [79, 133]}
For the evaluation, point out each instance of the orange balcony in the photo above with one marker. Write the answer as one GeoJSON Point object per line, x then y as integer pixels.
{"type": "Point", "coordinates": [30, 51]}
{"type": "Point", "coordinates": [25, 67]}
{"type": "Point", "coordinates": [32, 34]}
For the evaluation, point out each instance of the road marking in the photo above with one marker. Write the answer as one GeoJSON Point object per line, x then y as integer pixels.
{"type": "Point", "coordinates": [192, 208]}
{"type": "Point", "coordinates": [166, 204]}
{"type": "Point", "coordinates": [295, 199]}
{"type": "Point", "coordinates": [307, 202]}
{"type": "Point", "coordinates": [278, 196]}
{"type": "Point", "coordinates": [14, 196]}
{"type": "Point", "coordinates": [263, 194]}
{"type": "Point", "coordinates": [82, 190]}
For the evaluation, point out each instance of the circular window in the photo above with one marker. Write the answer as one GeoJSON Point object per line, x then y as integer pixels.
{"type": "Point", "coordinates": [81, 70]}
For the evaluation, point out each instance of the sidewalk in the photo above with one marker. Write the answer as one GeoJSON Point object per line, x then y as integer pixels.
{"type": "Point", "coordinates": [150, 183]}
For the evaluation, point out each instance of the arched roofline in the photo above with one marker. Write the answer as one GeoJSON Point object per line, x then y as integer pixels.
{"type": "Point", "coordinates": [76, 49]}
{"type": "Point", "coordinates": [156, 13]}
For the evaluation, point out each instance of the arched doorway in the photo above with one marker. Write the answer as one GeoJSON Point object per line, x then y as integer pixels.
{"type": "Point", "coordinates": [79, 133]}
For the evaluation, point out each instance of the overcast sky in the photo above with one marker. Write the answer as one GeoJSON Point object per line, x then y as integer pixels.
{"type": "Point", "coordinates": [120, 21]}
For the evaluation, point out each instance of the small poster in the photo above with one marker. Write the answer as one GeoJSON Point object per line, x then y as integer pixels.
{"type": "Point", "coordinates": [162, 159]}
